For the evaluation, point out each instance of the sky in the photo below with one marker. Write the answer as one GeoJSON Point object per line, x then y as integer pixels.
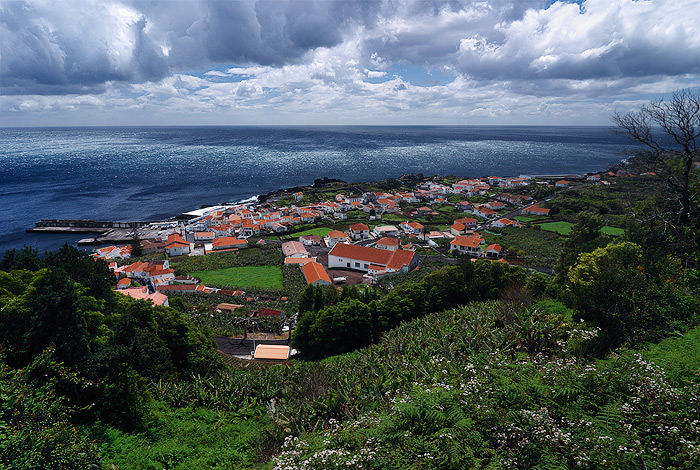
{"type": "Point", "coordinates": [342, 62]}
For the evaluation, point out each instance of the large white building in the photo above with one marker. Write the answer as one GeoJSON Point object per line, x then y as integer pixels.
{"type": "Point", "coordinates": [372, 260]}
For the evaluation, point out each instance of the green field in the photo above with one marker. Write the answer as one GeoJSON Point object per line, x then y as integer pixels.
{"type": "Point", "coordinates": [562, 228]}
{"type": "Point", "coordinates": [614, 231]}
{"type": "Point", "coordinates": [265, 277]}
{"type": "Point", "coordinates": [320, 231]}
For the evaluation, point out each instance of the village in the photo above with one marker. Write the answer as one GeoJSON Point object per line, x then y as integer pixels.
{"type": "Point", "coordinates": [352, 238]}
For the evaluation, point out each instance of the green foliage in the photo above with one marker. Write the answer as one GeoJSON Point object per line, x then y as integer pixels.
{"type": "Point", "coordinates": [584, 236]}
{"type": "Point", "coordinates": [35, 427]}
{"type": "Point", "coordinates": [628, 297]}
{"type": "Point", "coordinates": [267, 255]}
{"type": "Point", "coordinates": [187, 438]}
{"type": "Point", "coordinates": [336, 329]}
{"type": "Point", "coordinates": [114, 345]}
{"type": "Point", "coordinates": [540, 248]}
{"type": "Point", "coordinates": [242, 277]}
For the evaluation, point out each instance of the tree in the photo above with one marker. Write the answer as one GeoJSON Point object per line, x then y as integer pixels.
{"type": "Point", "coordinates": [679, 123]}
{"type": "Point", "coordinates": [136, 248]}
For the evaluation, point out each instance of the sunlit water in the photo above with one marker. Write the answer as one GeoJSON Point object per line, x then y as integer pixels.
{"type": "Point", "coordinates": [151, 173]}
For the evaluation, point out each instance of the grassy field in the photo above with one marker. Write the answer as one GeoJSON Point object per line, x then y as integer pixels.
{"type": "Point", "coordinates": [320, 231]}
{"type": "Point", "coordinates": [562, 228]}
{"type": "Point", "coordinates": [614, 231]}
{"type": "Point", "coordinates": [265, 277]}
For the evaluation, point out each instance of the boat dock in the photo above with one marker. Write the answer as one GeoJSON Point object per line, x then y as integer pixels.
{"type": "Point", "coordinates": [109, 232]}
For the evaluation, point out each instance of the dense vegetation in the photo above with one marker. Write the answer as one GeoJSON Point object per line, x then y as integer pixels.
{"type": "Point", "coordinates": [474, 365]}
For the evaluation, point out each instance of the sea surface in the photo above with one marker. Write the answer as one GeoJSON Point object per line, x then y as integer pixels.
{"type": "Point", "coordinates": [159, 172]}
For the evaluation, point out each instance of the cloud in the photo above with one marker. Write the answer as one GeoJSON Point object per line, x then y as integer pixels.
{"type": "Point", "coordinates": [51, 48]}
{"type": "Point", "coordinates": [348, 57]}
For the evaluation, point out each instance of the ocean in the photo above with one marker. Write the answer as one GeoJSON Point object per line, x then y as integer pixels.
{"type": "Point", "coordinates": [159, 172]}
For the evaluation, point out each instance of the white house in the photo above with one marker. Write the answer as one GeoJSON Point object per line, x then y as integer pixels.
{"type": "Point", "coordinates": [468, 245]}
{"type": "Point", "coordinates": [336, 236]}
{"type": "Point", "coordinates": [359, 231]}
{"type": "Point", "coordinates": [177, 246]}
{"type": "Point", "coordinates": [344, 256]}
{"type": "Point", "coordinates": [386, 243]}
{"type": "Point", "coordinates": [386, 231]}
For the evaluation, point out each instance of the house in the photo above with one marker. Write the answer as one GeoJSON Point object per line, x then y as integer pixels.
{"type": "Point", "coordinates": [204, 237]}
{"type": "Point", "coordinates": [535, 210]}
{"type": "Point", "coordinates": [500, 223]}
{"type": "Point", "coordinates": [359, 231]}
{"type": "Point", "coordinates": [386, 243]}
{"type": "Point", "coordinates": [464, 206]}
{"type": "Point", "coordinates": [386, 231]}
{"type": "Point", "coordinates": [412, 228]}
{"type": "Point", "coordinates": [346, 256]}
{"type": "Point", "coordinates": [562, 184]}
{"type": "Point", "coordinates": [468, 222]}
{"type": "Point", "coordinates": [271, 352]}
{"type": "Point", "coordinates": [152, 246]}
{"type": "Point", "coordinates": [493, 251]}
{"type": "Point", "coordinates": [177, 246]}
{"type": "Point", "coordinates": [594, 178]}
{"type": "Point", "coordinates": [124, 283]}
{"type": "Point", "coordinates": [221, 230]}
{"type": "Point", "coordinates": [485, 212]}
{"type": "Point", "coordinates": [495, 205]}
{"type": "Point", "coordinates": [141, 293]}
{"type": "Point", "coordinates": [458, 229]}
{"type": "Point", "coordinates": [315, 274]}
{"type": "Point", "coordinates": [468, 245]}
{"type": "Point", "coordinates": [336, 236]}
{"type": "Point", "coordinates": [294, 249]}
{"type": "Point", "coordinates": [310, 240]}
{"type": "Point", "coordinates": [227, 244]}
{"type": "Point", "coordinates": [298, 196]}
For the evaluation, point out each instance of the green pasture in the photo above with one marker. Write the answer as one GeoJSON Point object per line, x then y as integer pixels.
{"type": "Point", "coordinates": [562, 228]}
{"type": "Point", "coordinates": [320, 231]}
{"type": "Point", "coordinates": [613, 231]}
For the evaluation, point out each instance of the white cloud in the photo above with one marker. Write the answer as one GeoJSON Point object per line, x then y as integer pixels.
{"type": "Point", "coordinates": [499, 60]}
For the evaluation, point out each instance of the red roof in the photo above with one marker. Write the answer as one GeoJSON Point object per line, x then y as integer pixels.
{"type": "Point", "coordinates": [537, 210]}
{"type": "Point", "coordinates": [495, 247]}
{"type": "Point", "coordinates": [314, 272]}
{"type": "Point", "coordinates": [466, 221]}
{"type": "Point", "coordinates": [391, 259]}
{"type": "Point", "coordinates": [358, 227]}
{"type": "Point", "coordinates": [228, 241]}
{"type": "Point", "coordinates": [337, 234]}
{"type": "Point", "coordinates": [293, 248]}
{"type": "Point", "coordinates": [469, 242]}
{"type": "Point", "coordinates": [387, 241]}
{"type": "Point", "coordinates": [174, 239]}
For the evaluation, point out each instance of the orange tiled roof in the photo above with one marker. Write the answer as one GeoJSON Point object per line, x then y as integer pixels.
{"type": "Point", "coordinates": [314, 272]}
{"type": "Point", "coordinates": [391, 259]}
{"type": "Point", "coordinates": [469, 242]}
